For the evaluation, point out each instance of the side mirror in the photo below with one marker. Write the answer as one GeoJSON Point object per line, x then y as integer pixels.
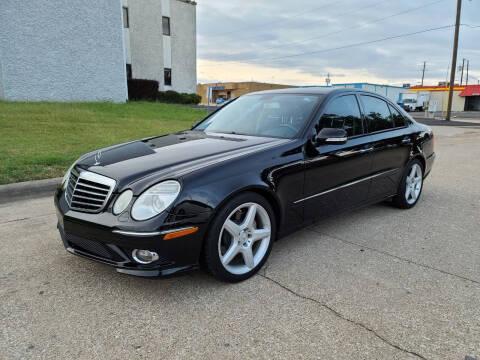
{"type": "Point", "coordinates": [331, 136]}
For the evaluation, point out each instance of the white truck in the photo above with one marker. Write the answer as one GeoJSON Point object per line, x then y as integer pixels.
{"type": "Point", "coordinates": [413, 101]}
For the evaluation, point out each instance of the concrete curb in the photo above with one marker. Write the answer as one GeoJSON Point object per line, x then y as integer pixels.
{"type": "Point", "coordinates": [28, 190]}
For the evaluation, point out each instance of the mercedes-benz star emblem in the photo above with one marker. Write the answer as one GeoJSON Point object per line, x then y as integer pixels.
{"type": "Point", "coordinates": [98, 156]}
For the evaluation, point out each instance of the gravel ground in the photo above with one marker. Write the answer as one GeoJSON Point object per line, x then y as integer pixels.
{"type": "Point", "coordinates": [378, 283]}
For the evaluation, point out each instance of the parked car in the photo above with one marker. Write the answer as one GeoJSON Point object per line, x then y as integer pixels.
{"type": "Point", "coordinates": [260, 167]}
{"type": "Point", "coordinates": [221, 101]}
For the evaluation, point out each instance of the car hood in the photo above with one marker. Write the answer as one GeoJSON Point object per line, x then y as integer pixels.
{"type": "Point", "coordinates": [170, 156]}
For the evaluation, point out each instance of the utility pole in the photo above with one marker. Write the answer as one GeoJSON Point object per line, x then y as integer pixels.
{"type": "Point", "coordinates": [463, 67]}
{"type": "Point", "coordinates": [423, 72]}
{"type": "Point", "coordinates": [454, 60]}
{"type": "Point", "coordinates": [466, 80]}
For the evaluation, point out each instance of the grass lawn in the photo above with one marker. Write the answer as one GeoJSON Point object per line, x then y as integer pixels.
{"type": "Point", "coordinates": [41, 140]}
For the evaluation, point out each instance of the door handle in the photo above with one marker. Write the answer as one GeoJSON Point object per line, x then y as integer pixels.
{"type": "Point", "coordinates": [406, 140]}
{"type": "Point", "coordinates": [366, 150]}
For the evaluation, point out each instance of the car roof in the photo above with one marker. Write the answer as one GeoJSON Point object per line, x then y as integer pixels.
{"type": "Point", "coordinates": [309, 91]}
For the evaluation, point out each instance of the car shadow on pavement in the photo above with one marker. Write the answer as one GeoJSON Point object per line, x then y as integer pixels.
{"type": "Point", "coordinates": [172, 285]}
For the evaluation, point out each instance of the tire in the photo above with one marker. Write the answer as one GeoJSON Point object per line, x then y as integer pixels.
{"type": "Point", "coordinates": [411, 186]}
{"type": "Point", "coordinates": [237, 244]}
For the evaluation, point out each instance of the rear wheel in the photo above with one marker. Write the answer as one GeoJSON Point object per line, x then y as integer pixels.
{"type": "Point", "coordinates": [240, 238]}
{"type": "Point", "coordinates": [410, 186]}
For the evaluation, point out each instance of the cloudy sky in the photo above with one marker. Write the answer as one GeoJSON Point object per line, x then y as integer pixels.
{"type": "Point", "coordinates": [243, 40]}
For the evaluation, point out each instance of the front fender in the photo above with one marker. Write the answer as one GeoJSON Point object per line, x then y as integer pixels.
{"type": "Point", "coordinates": [277, 177]}
{"type": "Point", "coordinates": [200, 195]}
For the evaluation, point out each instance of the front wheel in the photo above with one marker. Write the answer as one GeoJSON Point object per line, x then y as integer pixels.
{"type": "Point", "coordinates": [240, 238]}
{"type": "Point", "coordinates": [410, 186]}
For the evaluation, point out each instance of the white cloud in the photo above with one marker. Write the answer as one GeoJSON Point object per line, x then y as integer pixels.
{"type": "Point", "coordinates": [245, 30]}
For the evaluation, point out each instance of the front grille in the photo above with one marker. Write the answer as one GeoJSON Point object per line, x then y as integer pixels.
{"type": "Point", "coordinates": [87, 191]}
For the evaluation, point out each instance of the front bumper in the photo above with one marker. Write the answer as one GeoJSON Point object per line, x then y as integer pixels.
{"type": "Point", "coordinates": [96, 237]}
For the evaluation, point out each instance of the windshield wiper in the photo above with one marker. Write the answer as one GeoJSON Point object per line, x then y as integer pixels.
{"type": "Point", "coordinates": [231, 133]}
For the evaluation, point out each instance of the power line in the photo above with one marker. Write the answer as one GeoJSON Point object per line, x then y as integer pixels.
{"type": "Point", "coordinates": [349, 28]}
{"type": "Point", "coordinates": [339, 47]}
{"type": "Point", "coordinates": [369, 22]}
{"type": "Point", "coordinates": [349, 13]}
{"type": "Point", "coordinates": [366, 42]}
{"type": "Point", "coordinates": [255, 37]}
{"type": "Point", "coordinates": [249, 28]}
{"type": "Point", "coordinates": [470, 26]}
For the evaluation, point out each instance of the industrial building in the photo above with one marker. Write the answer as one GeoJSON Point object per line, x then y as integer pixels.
{"type": "Point", "coordinates": [52, 50]}
{"type": "Point", "coordinates": [211, 92]}
{"type": "Point", "coordinates": [394, 93]}
{"type": "Point", "coordinates": [465, 97]}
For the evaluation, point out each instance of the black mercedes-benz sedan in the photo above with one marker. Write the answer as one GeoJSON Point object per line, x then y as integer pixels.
{"type": "Point", "coordinates": [260, 167]}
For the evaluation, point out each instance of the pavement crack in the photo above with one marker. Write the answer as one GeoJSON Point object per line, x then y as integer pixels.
{"type": "Point", "coordinates": [397, 257]}
{"type": "Point", "coordinates": [265, 267]}
{"type": "Point", "coordinates": [26, 218]}
{"type": "Point", "coordinates": [343, 317]}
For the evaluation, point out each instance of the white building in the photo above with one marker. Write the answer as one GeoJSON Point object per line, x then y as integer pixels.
{"type": "Point", "coordinates": [160, 42]}
{"type": "Point", "coordinates": [53, 50]}
{"type": "Point", "coordinates": [394, 93]}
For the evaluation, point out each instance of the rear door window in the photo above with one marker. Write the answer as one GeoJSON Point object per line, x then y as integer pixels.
{"type": "Point", "coordinates": [398, 119]}
{"type": "Point", "coordinates": [377, 113]}
{"type": "Point", "coordinates": [343, 113]}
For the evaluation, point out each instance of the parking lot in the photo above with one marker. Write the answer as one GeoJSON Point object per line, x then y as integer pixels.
{"type": "Point", "coordinates": [378, 283]}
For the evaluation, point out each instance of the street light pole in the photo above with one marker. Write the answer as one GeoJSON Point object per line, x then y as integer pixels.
{"type": "Point", "coordinates": [454, 60]}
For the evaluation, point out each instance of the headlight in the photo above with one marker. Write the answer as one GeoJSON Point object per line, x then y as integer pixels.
{"type": "Point", "coordinates": [122, 202]}
{"type": "Point", "coordinates": [155, 200]}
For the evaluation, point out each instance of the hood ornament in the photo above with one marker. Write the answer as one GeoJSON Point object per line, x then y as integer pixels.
{"type": "Point", "coordinates": [98, 156]}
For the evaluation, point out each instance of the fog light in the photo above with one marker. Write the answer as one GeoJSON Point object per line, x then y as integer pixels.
{"type": "Point", "coordinates": [122, 202]}
{"type": "Point", "coordinates": [144, 256]}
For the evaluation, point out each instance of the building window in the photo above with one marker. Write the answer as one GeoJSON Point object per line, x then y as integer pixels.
{"type": "Point", "coordinates": [166, 25]}
{"type": "Point", "coordinates": [126, 24]}
{"type": "Point", "coordinates": [129, 71]}
{"type": "Point", "coordinates": [167, 75]}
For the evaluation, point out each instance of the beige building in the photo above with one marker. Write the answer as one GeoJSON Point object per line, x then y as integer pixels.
{"type": "Point", "coordinates": [229, 90]}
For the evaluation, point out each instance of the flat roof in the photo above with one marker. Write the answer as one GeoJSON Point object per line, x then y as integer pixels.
{"type": "Point", "coordinates": [353, 84]}
{"type": "Point", "coordinates": [439, 88]}
{"type": "Point", "coordinates": [367, 83]}
{"type": "Point", "coordinates": [307, 90]}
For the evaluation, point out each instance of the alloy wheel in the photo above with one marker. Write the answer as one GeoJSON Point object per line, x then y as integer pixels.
{"type": "Point", "coordinates": [244, 238]}
{"type": "Point", "coordinates": [414, 184]}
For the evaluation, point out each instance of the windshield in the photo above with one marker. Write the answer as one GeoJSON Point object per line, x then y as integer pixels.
{"type": "Point", "coordinates": [271, 115]}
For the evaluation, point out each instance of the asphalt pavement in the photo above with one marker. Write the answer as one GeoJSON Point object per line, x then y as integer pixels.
{"type": "Point", "coordinates": [377, 283]}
